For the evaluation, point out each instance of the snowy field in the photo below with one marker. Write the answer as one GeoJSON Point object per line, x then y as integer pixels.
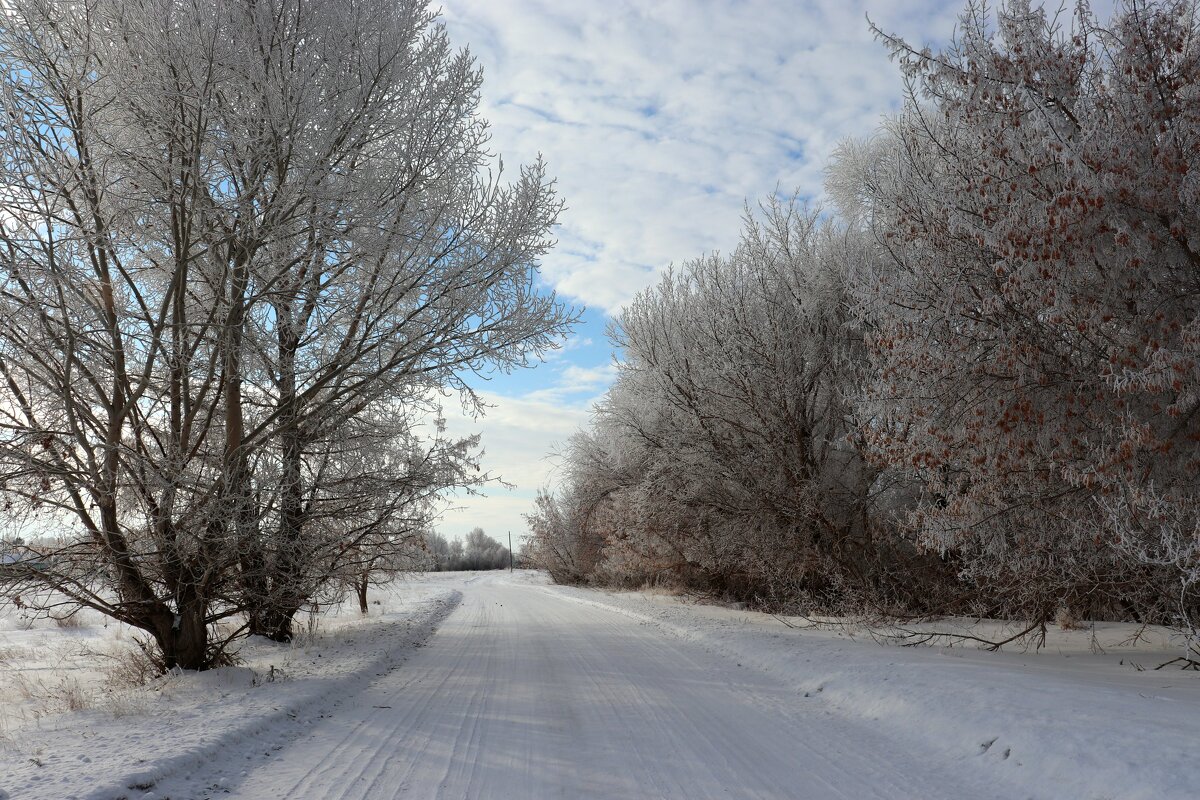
{"type": "Point", "coordinates": [486, 685]}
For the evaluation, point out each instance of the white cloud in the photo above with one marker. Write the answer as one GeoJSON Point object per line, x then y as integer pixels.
{"type": "Point", "coordinates": [520, 437]}
{"type": "Point", "coordinates": [660, 119]}
{"type": "Point", "coordinates": [573, 381]}
{"type": "Point", "coordinates": [498, 513]}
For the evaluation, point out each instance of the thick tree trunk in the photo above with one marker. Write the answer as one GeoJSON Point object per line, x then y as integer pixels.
{"type": "Point", "coordinates": [254, 587]}
{"type": "Point", "coordinates": [182, 637]}
{"type": "Point", "coordinates": [277, 622]}
{"type": "Point", "coordinates": [361, 587]}
{"type": "Point", "coordinates": [254, 579]}
{"type": "Point", "coordinates": [274, 617]}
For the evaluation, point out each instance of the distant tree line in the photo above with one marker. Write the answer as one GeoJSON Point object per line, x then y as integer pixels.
{"type": "Point", "coordinates": [974, 388]}
{"type": "Point", "coordinates": [478, 551]}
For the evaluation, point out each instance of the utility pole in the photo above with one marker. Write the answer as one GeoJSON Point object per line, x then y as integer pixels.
{"type": "Point", "coordinates": [510, 558]}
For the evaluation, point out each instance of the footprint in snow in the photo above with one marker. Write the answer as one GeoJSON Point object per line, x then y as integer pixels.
{"type": "Point", "coordinates": [986, 746]}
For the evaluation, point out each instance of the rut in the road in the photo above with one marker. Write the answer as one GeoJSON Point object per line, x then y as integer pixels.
{"type": "Point", "coordinates": [526, 693]}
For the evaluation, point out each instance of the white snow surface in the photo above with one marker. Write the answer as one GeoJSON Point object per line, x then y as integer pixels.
{"type": "Point", "coordinates": [496, 686]}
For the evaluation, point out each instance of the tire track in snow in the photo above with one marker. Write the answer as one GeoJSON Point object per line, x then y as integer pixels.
{"type": "Point", "coordinates": [525, 693]}
{"type": "Point", "coordinates": [178, 776]}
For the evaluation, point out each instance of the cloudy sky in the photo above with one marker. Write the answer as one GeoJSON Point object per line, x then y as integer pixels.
{"type": "Point", "coordinates": [660, 119]}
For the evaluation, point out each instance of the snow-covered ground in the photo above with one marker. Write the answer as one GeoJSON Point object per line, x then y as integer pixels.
{"type": "Point", "coordinates": [532, 690]}
{"type": "Point", "coordinates": [69, 729]}
{"type": "Point", "coordinates": [1087, 716]}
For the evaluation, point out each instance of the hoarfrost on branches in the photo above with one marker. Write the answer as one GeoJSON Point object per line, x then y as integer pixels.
{"type": "Point", "coordinates": [246, 247]}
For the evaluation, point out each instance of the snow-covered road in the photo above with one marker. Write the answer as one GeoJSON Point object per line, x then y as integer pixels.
{"type": "Point", "coordinates": [469, 685]}
{"type": "Point", "coordinates": [526, 692]}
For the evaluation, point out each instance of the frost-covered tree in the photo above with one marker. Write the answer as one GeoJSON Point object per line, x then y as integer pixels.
{"type": "Point", "coordinates": [242, 244]}
{"type": "Point", "coordinates": [728, 451]}
{"type": "Point", "coordinates": [563, 539]}
{"type": "Point", "coordinates": [478, 551]}
{"type": "Point", "coordinates": [1018, 252]}
{"type": "Point", "coordinates": [481, 551]}
{"type": "Point", "coordinates": [1037, 320]}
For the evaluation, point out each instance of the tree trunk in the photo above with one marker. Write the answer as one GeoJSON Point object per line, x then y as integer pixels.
{"type": "Point", "coordinates": [274, 618]}
{"type": "Point", "coordinates": [254, 578]}
{"type": "Point", "coordinates": [183, 637]}
{"type": "Point", "coordinates": [361, 587]}
{"type": "Point", "coordinates": [276, 622]}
